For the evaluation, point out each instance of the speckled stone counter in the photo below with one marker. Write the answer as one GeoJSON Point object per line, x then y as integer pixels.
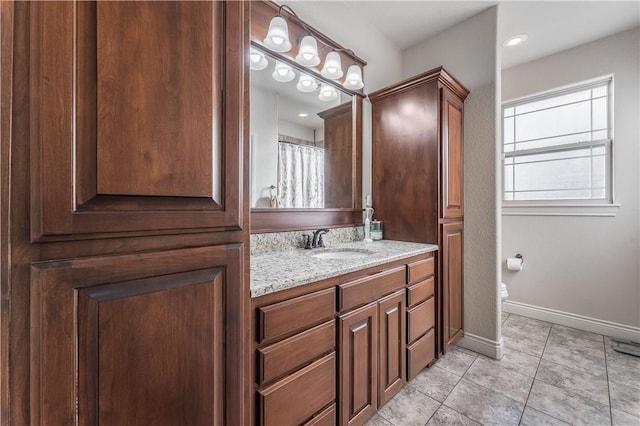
{"type": "Point", "coordinates": [271, 272]}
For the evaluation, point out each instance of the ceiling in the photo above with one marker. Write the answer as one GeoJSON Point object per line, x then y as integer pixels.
{"type": "Point", "coordinates": [552, 26]}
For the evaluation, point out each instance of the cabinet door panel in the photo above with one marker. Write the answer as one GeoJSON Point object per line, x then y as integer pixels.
{"type": "Point", "coordinates": [129, 131]}
{"type": "Point", "coordinates": [391, 377]}
{"type": "Point", "coordinates": [452, 156]}
{"type": "Point", "coordinates": [452, 282]}
{"type": "Point", "coordinates": [358, 365]}
{"type": "Point", "coordinates": [134, 339]}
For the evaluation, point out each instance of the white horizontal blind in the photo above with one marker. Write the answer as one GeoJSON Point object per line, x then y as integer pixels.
{"type": "Point", "coordinates": [558, 146]}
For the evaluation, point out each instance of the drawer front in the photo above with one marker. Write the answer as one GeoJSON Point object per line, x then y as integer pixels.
{"type": "Point", "coordinates": [420, 319]}
{"type": "Point", "coordinates": [420, 270]}
{"type": "Point", "coordinates": [420, 292]}
{"type": "Point", "coordinates": [419, 354]}
{"type": "Point", "coordinates": [326, 418]}
{"type": "Point", "coordinates": [296, 351]}
{"type": "Point", "coordinates": [296, 398]}
{"type": "Point", "coordinates": [281, 319]}
{"type": "Point", "coordinates": [368, 289]}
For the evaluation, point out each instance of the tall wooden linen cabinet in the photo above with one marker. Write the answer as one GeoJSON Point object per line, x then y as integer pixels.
{"type": "Point", "coordinates": [125, 223]}
{"type": "Point", "coordinates": [418, 179]}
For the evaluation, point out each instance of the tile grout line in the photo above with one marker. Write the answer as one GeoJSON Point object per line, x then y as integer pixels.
{"type": "Point", "coordinates": [526, 402]}
{"type": "Point", "coordinates": [606, 370]}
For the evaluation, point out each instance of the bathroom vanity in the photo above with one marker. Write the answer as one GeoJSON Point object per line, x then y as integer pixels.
{"type": "Point", "coordinates": [336, 338]}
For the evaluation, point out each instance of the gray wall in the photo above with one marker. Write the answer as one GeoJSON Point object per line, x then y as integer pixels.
{"type": "Point", "coordinates": [583, 265]}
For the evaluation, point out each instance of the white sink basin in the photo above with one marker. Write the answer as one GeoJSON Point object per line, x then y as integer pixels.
{"type": "Point", "coordinates": [343, 254]}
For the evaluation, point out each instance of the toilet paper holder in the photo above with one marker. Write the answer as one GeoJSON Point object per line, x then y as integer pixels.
{"type": "Point", "coordinates": [519, 256]}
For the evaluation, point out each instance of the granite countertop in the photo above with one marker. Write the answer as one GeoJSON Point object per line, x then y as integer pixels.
{"type": "Point", "coordinates": [282, 270]}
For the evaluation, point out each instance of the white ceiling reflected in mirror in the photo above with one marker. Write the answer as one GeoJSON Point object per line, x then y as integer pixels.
{"type": "Point", "coordinates": [301, 139]}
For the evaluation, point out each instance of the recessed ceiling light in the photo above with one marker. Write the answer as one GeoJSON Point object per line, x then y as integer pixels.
{"type": "Point", "coordinates": [515, 40]}
{"type": "Point", "coordinates": [303, 114]}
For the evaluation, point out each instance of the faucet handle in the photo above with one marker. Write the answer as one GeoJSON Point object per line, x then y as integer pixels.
{"type": "Point", "coordinates": [307, 241]}
{"type": "Point", "coordinates": [320, 241]}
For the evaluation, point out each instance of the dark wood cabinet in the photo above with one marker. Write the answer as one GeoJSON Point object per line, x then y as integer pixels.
{"type": "Point", "coordinates": [391, 331]}
{"type": "Point", "coordinates": [452, 179]}
{"type": "Point", "coordinates": [452, 281]}
{"type": "Point", "coordinates": [418, 176]}
{"type": "Point", "coordinates": [339, 171]}
{"type": "Point", "coordinates": [358, 392]}
{"type": "Point", "coordinates": [129, 217]}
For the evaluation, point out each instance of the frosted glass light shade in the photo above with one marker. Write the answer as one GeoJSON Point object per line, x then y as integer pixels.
{"type": "Point", "coordinates": [353, 81]}
{"type": "Point", "coordinates": [283, 72]}
{"type": "Point", "coordinates": [306, 83]}
{"type": "Point", "coordinates": [257, 59]}
{"type": "Point", "coordinates": [327, 93]}
{"type": "Point", "coordinates": [277, 38]}
{"type": "Point", "coordinates": [332, 66]}
{"type": "Point", "coordinates": [308, 52]}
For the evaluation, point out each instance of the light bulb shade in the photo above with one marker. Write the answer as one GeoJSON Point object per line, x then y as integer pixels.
{"type": "Point", "coordinates": [306, 83]}
{"type": "Point", "coordinates": [327, 93]}
{"type": "Point", "coordinates": [353, 81]}
{"type": "Point", "coordinates": [332, 66]}
{"type": "Point", "coordinates": [308, 52]}
{"type": "Point", "coordinates": [257, 59]}
{"type": "Point", "coordinates": [283, 72]}
{"type": "Point", "coordinates": [277, 38]}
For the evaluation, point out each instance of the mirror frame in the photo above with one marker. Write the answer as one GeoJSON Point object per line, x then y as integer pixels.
{"type": "Point", "coordinates": [265, 220]}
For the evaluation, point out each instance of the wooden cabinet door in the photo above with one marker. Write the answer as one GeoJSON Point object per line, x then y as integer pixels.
{"type": "Point", "coordinates": [452, 282]}
{"type": "Point", "coordinates": [452, 179]}
{"type": "Point", "coordinates": [136, 339]}
{"type": "Point", "coordinates": [358, 364]}
{"type": "Point", "coordinates": [391, 344]}
{"type": "Point", "coordinates": [338, 156]}
{"type": "Point", "coordinates": [130, 131]}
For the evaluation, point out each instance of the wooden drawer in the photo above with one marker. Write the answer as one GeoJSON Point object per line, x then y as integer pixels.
{"type": "Point", "coordinates": [420, 319]}
{"type": "Point", "coordinates": [420, 354]}
{"type": "Point", "coordinates": [281, 319]}
{"type": "Point", "coordinates": [370, 288]}
{"type": "Point", "coordinates": [420, 292]}
{"type": "Point", "coordinates": [420, 270]}
{"type": "Point", "coordinates": [326, 418]}
{"type": "Point", "coordinates": [289, 354]}
{"type": "Point", "coordinates": [296, 398]}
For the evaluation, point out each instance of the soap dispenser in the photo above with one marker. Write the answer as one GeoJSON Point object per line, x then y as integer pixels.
{"type": "Point", "coordinates": [368, 216]}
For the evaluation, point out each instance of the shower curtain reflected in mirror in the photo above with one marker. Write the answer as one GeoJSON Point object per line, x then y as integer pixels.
{"type": "Point", "coordinates": [300, 176]}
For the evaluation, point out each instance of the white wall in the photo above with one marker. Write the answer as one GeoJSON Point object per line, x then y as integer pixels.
{"type": "Point", "coordinates": [296, 131]}
{"type": "Point", "coordinates": [264, 144]}
{"type": "Point", "coordinates": [586, 266]}
{"type": "Point", "coordinates": [469, 51]}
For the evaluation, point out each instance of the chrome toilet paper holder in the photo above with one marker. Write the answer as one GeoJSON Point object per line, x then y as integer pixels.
{"type": "Point", "coordinates": [519, 256]}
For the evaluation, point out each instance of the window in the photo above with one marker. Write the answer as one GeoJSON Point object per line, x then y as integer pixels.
{"type": "Point", "coordinates": [557, 146]}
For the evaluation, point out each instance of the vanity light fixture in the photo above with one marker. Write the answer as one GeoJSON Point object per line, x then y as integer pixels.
{"type": "Point", "coordinates": [283, 72]}
{"type": "Point", "coordinates": [278, 35]}
{"type": "Point", "coordinates": [353, 81]}
{"type": "Point", "coordinates": [515, 40]}
{"type": "Point", "coordinates": [332, 66]}
{"type": "Point", "coordinates": [258, 60]}
{"type": "Point", "coordinates": [308, 52]}
{"type": "Point", "coordinates": [277, 39]}
{"type": "Point", "coordinates": [327, 93]}
{"type": "Point", "coordinates": [306, 83]}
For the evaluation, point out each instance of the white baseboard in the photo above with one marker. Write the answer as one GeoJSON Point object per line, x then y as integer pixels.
{"type": "Point", "coordinates": [482, 345]}
{"type": "Point", "coordinates": [594, 325]}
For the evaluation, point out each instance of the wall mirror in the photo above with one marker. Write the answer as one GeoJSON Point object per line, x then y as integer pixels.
{"type": "Point", "coordinates": [305, 142]}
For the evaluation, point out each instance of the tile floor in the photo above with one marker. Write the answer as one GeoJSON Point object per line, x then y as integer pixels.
{"type": "Point", "coordinates": [549, 375]}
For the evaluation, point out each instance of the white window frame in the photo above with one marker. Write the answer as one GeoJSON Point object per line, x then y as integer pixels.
{"type": "Point", "coordinates": [566, 207]}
